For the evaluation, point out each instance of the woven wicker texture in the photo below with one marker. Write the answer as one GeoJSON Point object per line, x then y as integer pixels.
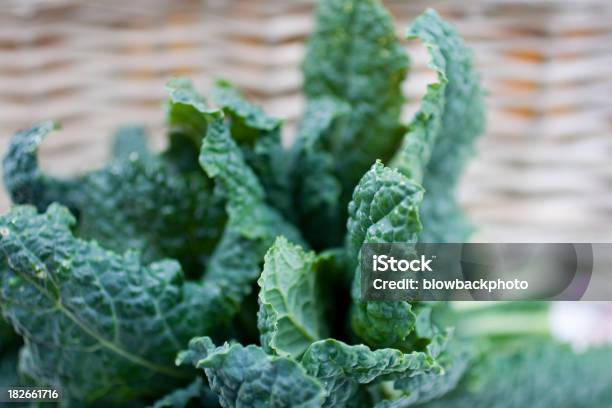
{"type": "Point", "coordinates": [543, 169]}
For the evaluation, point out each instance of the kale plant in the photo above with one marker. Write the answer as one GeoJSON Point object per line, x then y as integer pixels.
{"type": "Point", "coordinates": [224, 270]}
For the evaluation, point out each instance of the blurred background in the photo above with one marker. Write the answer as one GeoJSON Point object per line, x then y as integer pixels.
{"type": "Point", "coordinates": [543, 169]}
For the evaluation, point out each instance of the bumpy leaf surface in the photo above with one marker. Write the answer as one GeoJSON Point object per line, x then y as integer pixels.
{"type": "Point", "coordinates": [253, 224]}
{"type": "Point", "coordinates": [95, 323]}
{"type": "Point", "coordinates": [142, 205]}
{"type": "Point", "coordinates": [258, 136]}
{"type": "Point", "coordinates": [248, 377]}
{"type": "Point", "coordinates": [441, 136]}
{"type": "Point", "coordinates": [384, 209]}
{"type": "Point", "coordinates": [426, 386]}
{"type": "Point", "coordinates": [354, 56]}
{"type": "Point", "coordinates": [290, 316]}
{"type": "Point", "coordinates": [341, 367]}
{"type": "Point", "coordinates": [222, 160]}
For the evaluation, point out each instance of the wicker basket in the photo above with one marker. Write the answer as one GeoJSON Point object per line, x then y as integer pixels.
{"type": "Point", "coordinates": [543, 169]}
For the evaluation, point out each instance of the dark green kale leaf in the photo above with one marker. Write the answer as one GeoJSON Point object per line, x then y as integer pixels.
{"type": "Point", "coordinates": [24, 180]}
{"type": "Point", "coordinates": [253, 225]}
{"type": "Point", "coordinates": [246, 206]}
{"type": "Point", "coordinates": [342, 368]}
{"type": "Point", "coordinates": [429, 385]}
{"type": "Point", "coordinates": [161, 214]}
{"type": "Point", "coordinates": [259, 138]}
{"type": "Point", "coordinates": [384, 209]}
{"type": "Point", "coordinates": [441, 136]}
{"type": "Point", "coordinates": [317, 190]}
{"type": "Point", "coordinates": [355, 57]}
{"type": "Point", "coordinates": [248, 377]}
{"type": "Point", "coordinates": [187, 116]}
{"type": "Point", "coordinates": [137, 202]}
{"type": "Point", "coordinates": [290, 314]}
{"type": "Point", "coordinates": [99, 325]}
